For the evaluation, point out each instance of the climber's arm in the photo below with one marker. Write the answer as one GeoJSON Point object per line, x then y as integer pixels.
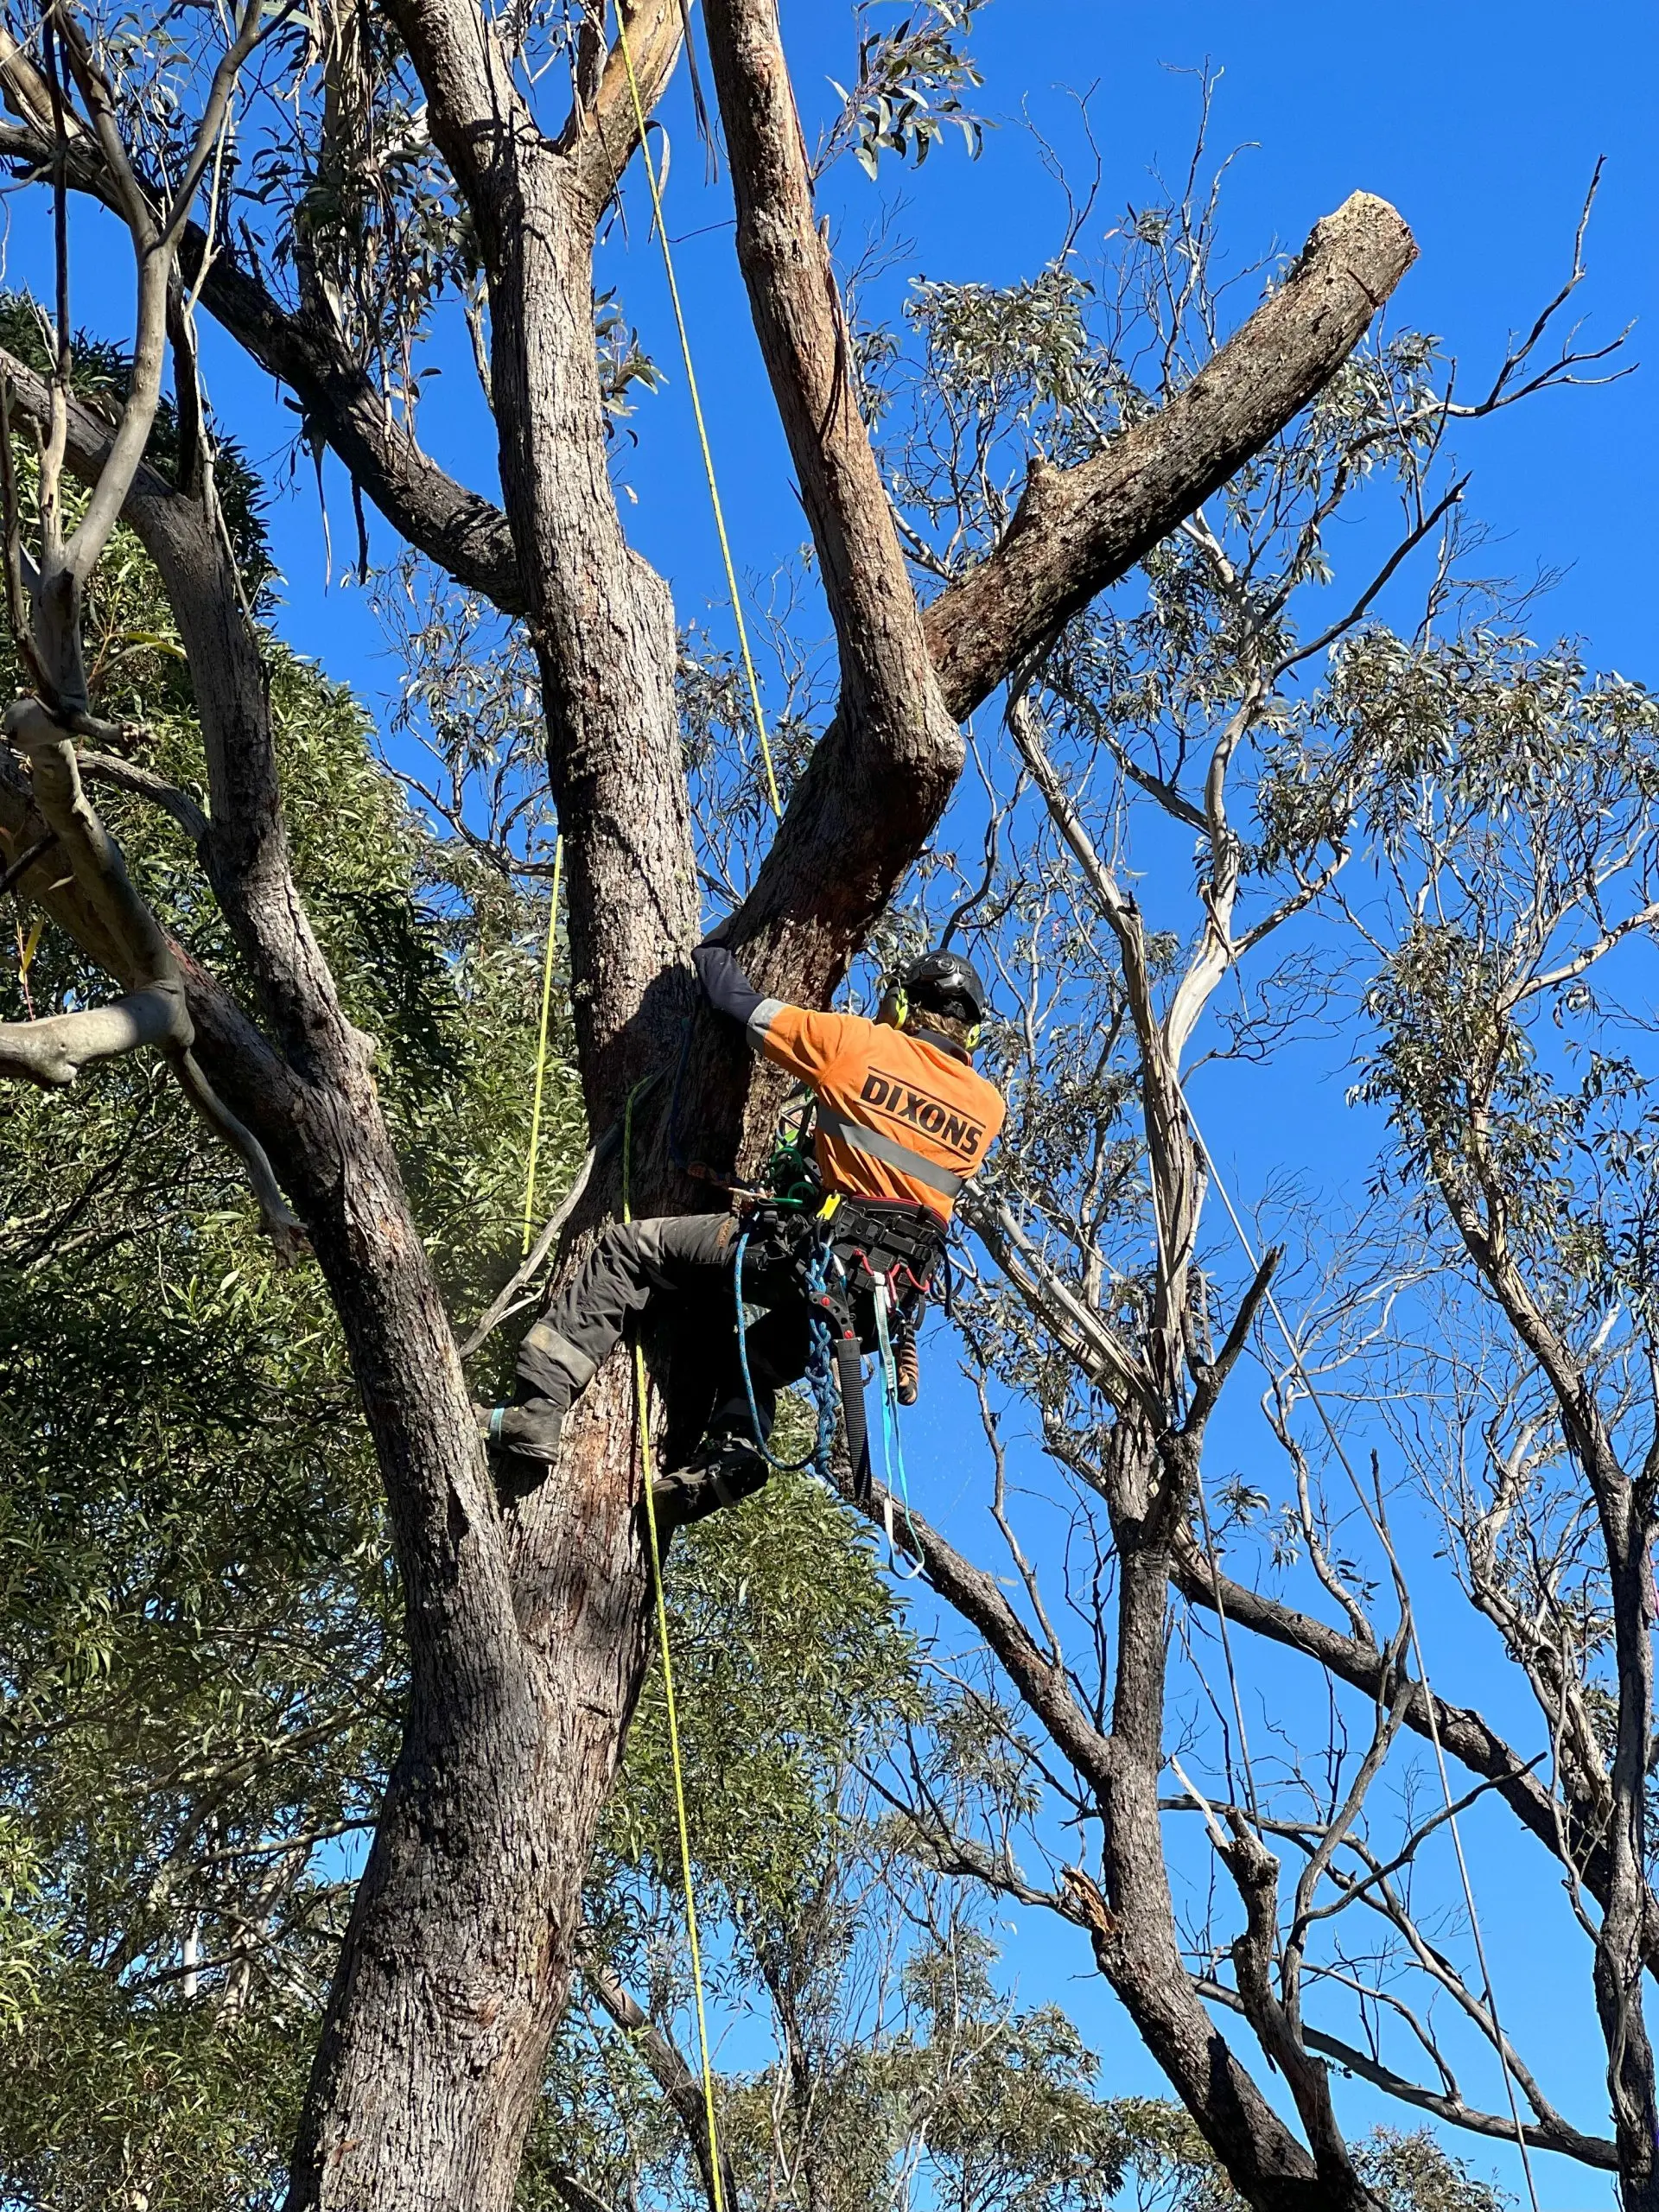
{"type": "Point", "coordinates": [725, 985]}
{"type": "Point", "coordinates": [794, 1037]}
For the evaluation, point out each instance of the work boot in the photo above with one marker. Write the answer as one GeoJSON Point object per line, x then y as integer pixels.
{"type": "Point", "coordinates": [724, 1470]}
{"type": "Point", "coordinates": [522, 1443]}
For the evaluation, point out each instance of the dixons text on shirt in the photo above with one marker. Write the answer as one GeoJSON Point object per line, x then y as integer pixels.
{"type": "Point", "coordinates": [898, 1099]}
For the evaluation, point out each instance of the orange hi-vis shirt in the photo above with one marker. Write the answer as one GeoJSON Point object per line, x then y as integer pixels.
{"type": "Point", "coordinates": [898, 1118]}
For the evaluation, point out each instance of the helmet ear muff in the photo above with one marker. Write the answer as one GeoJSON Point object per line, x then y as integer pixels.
{"type": "Point", "coordinates": [894, 1006]}
{"type": "Point", "coordinates": [974, 1035]}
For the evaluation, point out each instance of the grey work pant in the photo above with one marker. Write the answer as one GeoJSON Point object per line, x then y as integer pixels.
{"type": "Point", "coordinates": [679, 1269]}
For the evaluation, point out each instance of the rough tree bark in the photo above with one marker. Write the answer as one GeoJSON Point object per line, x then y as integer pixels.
{"type": "Point", "coordinates": [528, 1628]}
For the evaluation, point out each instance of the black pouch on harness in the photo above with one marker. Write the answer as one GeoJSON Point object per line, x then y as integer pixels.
{"type": "Point", "coordinates": [880, 1236]}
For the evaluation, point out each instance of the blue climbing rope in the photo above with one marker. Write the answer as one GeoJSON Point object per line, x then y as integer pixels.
{"type": "Point", "coordinates": [820, 1366]}
{"type": "Point", "coordinates": [892, 1449]}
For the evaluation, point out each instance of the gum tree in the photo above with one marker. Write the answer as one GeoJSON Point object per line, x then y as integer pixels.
{"type": "Point", "coordinates": [411, 150]}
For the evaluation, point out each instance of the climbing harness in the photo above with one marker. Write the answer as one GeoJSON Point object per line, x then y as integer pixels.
{"type": "Point", "coordinates": [897, 1254]}
{"type": "Point", "coordinates": [696, 410]}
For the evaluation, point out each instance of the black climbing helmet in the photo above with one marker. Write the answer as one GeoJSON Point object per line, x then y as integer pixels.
{"type": "Point", "coordinates": [947, 982]}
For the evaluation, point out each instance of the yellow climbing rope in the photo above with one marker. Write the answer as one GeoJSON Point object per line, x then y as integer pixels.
{"type": "Point", "coordinates": [696, 410]}
{"type": "Point", "coordinates": [642, 1414]}
{"type": "Point", "coordinates": [540, 1050]}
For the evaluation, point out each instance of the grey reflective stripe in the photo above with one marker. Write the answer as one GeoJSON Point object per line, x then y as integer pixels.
{"type": "Point", "coordinates": [760, 1021]}
{"type": "Point", "coordinates": [890, 1152]}
{"type": "Point", "coordinates": [568, 1359]}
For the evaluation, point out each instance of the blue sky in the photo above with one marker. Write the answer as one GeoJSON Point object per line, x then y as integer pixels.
{"type": "Point", "coordinates": [1483, 125]}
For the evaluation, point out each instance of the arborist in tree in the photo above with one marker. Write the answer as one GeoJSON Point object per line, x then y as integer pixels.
{"type": "Point", "coordinates": [903, 1121]}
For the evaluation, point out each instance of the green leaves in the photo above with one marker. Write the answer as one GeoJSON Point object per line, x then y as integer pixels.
{"type": "Point", "coordinates": [909, 89]}
{"type": "Point", "coordinates": [200, 1639]}
{"type": "Point", "coordinates": [792, 1661]}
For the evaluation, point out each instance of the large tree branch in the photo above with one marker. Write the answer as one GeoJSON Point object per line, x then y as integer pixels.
{"type": "Point", "coordinates": [1040, 1681]}
{"type": "Point", "coordinates": [324, 1129]}
{"type": "Point", "coordinates": [52, 1051]}
{"type": "Point", "coordinates": [467, 536]}
{"type": "Point", "coordinates": [1077, 530]}
{"type": "Point", "coordinates": [463, 534]}
{"type": "Point", "coordinates": [883, 773]}
{"type": "Point", "coordinates": [44, 729]}
{"type": "Point", "coordinates": [897, 721]}
{"type": "Point", "coordinates": [833, 866]}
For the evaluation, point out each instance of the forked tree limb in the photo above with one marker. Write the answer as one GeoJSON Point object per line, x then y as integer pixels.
{"type": "Point", "coordinates": [1255, 1952]}
{"type": "Point", "coordinates": [1596, 2151]}
{"type": "Point", "coordinates": [836, 860]}
{"type": "Point", "coordinates": [881, 774]}
{"type": "Point", "coordinates": [599, 140]}
{"type": "Point", "coordinates": [1135, 1949]}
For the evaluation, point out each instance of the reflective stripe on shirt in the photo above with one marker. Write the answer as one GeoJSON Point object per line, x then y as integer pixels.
{"type": "Point", "coordinates": [890, 1152]}
{"type": "Point", "coordinates": [760, 1021]}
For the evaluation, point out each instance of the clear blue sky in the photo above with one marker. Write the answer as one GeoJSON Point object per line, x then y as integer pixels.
{"type": "Point", "coordinates": [1483, 125]}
